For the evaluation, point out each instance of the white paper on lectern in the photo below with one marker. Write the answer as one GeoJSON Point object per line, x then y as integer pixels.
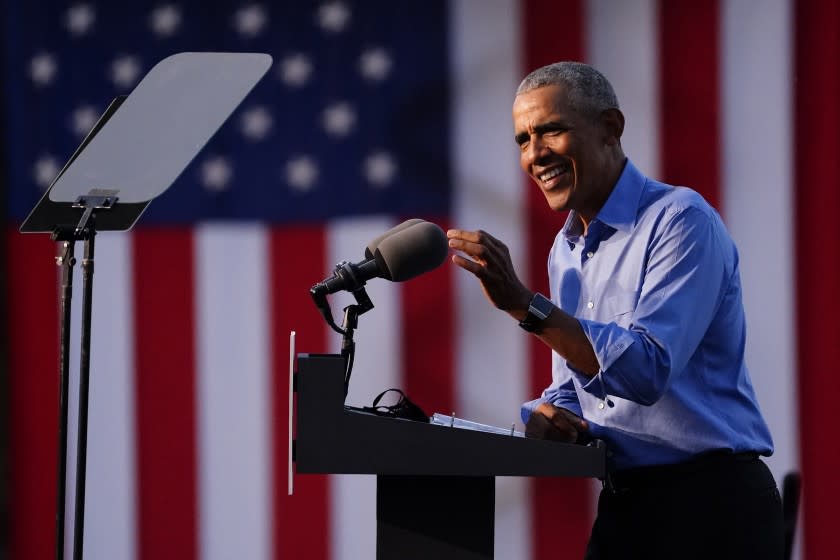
{"type": "Point", "coordinates": [453, 421]}
{"type": "Point", "coordinates": [162, 125]}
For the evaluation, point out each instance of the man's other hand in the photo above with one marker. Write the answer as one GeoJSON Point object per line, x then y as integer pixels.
{"type": "Point", "coordinates": [555, 423]}
{"type": "Point", "coordinates": [489, 260]}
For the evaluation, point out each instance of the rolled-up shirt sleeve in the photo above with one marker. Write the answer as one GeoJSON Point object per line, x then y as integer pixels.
{"type": "Point", "coordinates": [685, 274]}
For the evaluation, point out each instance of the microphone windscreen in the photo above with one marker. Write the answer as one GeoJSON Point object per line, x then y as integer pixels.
{"type": "Point", "coordinates": [370, 250]}
{"type": "Point", "coordinates": [418, 248]}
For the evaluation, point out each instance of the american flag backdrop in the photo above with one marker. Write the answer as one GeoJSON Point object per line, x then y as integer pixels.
{"type": "Point", "coordinates": [372, 112]}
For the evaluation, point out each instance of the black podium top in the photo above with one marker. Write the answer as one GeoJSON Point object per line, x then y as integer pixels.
{"type": "Point", "coordinates": [331, 439]}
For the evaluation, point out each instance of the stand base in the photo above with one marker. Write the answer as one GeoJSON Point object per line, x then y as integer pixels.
{"type": "Point", "coordinates": [422, 517]}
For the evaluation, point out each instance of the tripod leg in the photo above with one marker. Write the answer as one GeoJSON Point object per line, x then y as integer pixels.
{"type": "Point", "coordinates": [66, 261]}
{"type": "Point", "coordinates": [84, 384]}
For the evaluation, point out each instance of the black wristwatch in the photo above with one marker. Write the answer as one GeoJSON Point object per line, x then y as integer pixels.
{"type": "Point", "coordinates": [538, 310]}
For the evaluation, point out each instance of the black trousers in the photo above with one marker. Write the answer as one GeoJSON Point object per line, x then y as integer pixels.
{"type": "Point", "coordinates": [719, 507]}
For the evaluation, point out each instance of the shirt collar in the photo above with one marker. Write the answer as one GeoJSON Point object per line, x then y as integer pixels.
{"type": "Point", "coordinates": [620, 209]}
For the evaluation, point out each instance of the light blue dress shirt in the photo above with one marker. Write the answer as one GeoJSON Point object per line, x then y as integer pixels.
{"type": "Point", "coordinates": [655, 286]}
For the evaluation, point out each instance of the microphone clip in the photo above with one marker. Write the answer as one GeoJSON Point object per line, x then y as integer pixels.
{"type": "Point", "coordinates": [346, 274]}
{"type": "Point", "coordinates": [351, 314]}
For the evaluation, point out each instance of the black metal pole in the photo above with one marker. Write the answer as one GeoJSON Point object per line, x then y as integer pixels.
{"type": "Point", "coordinates": [66, 261]}
{"type": "Point", "coordinates": [84, 383]}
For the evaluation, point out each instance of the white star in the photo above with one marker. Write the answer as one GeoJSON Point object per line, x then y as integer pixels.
{"type": "Point", "coordinates": [84, 117]}
{"type": "Point", "coordinates": [333, 16]}
{"type": "Point", "coordinates": [165, 20]}
{"type": "Point", "coordinates": [301, 173]}
{"type": "Point", "coordinates": [339, 119]}
{"type": "Point", "coordinates": [45, 170]}
{"type": "Point", "coordinates": [380, 169]}
{"type": "Point", "coordinates": [251, 20]}
{"type": "Point", "coordinates": [295, 70]}
{"type": "Point", "coordinates": [125, 70]}
{"type": "Point", "coordinates": [216, 173]}
{"type": "Point", "coordinates": [255, 123]}
{"type": "Point", "coordinates": [80, 19]}
{"type": "Point", "coordinates": [42, 69]}
{"type": "Point", "coordinates": [375, 64]}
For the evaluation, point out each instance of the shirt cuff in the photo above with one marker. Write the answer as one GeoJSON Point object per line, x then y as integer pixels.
{"type": "Point", "coordinates": [570, 404]}
{"type": "Point", "coordinates": [609, 342]}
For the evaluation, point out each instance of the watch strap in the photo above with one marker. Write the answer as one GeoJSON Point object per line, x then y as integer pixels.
{"type": "Point", "coordinates": [539, 309]}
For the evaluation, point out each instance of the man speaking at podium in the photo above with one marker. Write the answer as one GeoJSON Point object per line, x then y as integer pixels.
{"type": "Point", "coordinates": [647, 328]}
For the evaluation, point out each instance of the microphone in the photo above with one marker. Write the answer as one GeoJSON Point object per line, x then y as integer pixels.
{"type": "Point", "coordinates": [371, 247]}
{"type": "Point", "coordinates": [403, 252]}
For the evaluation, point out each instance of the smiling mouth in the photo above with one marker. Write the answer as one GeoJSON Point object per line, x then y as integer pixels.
{"type": "Point", "coordinates": [552, 177]}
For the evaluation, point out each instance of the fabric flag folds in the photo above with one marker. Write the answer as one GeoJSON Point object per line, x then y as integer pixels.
{"type": "Point", "coordinates": [374, 112]}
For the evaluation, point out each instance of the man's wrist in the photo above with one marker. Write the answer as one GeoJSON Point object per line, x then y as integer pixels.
{"type": "Point", "coordinates": [520, 311]}
{"type": "Point", "coordinates": [539, 309]}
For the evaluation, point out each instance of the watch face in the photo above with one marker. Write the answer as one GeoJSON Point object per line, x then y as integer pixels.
{"type": "Point", "coordinates": [541, 306]}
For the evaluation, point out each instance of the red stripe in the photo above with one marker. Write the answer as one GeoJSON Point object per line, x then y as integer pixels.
{"type": "Point", "coordinates": [301, 521]}
{"type": "Point", "coordinates": [33, 345]}
{"type": "Point", "coordinates": [427, 337]}
{"type": "Point", "coordinates": [165, 391]}
{"type": "Point", "coordinates": [561, 507]}
{"type": "Point", "coordinates": [690, 94]}
{"type": "Point", "coordinates": [818, 265]}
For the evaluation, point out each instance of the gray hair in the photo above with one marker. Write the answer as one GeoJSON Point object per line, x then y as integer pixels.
{"type": "Point", "coordinates": [589, 91]}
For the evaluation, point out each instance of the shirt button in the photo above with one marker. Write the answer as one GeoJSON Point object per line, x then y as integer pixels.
{"type": "Point", "coordinates": [601, 405]}
{"type": "Point", "coordinates": [590, 304]}
{"type": "Point", "coordinates": [590, 254]}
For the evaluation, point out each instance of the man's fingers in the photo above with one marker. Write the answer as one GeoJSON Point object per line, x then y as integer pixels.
{"type": "Point", "coordinates": [541, 426]}
{"type": "Point", "coordinates": [575, 420]}
{"type": "Point", "coordinates": [479, 237]}
{"type": "Point", "coordinates": [471, 236]}
{"type": "Point", "coordinates": [555, 423]}
{"type": "Point", "coordinates": [469, 247]}
{"type": "Point", "coordinates": [468, 264]}
{"type": "Point", "coordinates": [536, 425]}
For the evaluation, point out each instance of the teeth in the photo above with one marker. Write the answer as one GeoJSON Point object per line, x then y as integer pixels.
{"type": "Point", "coordinates": [550, 174]}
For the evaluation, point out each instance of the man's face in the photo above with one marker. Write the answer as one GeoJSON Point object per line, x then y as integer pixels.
{"type": "Point", "coordinates": [563, 150]}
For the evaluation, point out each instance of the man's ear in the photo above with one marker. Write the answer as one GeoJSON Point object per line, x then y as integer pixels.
{"type": "Point", "coordinates": [612, 121]}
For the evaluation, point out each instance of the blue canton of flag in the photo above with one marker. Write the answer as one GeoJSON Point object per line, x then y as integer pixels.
{"type": "Point", "coordinates": [350, 120]}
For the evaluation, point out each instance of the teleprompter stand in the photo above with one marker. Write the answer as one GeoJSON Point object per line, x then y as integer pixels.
{"type": "Point", "coordinates": [136, 150]}
{"type": "Point", "coordinates": [435, 494]}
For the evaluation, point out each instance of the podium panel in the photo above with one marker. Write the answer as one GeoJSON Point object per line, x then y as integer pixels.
{"type": "Point", "coordinates": [422, 517]}
{"type": "Point", "coordinates": [435, 484]}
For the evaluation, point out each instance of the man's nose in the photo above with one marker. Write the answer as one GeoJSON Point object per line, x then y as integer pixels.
{"type": "Point", "coordinates": [536, 152]}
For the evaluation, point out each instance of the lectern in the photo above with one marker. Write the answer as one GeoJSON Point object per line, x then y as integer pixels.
{"type": "Point", "coordinates": [435, 484]}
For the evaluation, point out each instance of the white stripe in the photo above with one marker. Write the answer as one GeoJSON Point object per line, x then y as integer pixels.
{"type": "Point", "coordinates": [233, 392]}
{"type": "Point", "coordinates": [377, 367]}
{"type": "Point", "coordinates": [491, 378]}
{"type": "Point", "coordinates": [110, 501]}
{"type": "Point", "coordinates": [758, 151]}
{"type": "Point", "coordinates": [622, 44]}
{"type": "Point", "coordinates": [110, 520]}
{"type": "Point", "coordinates": [757, 47]}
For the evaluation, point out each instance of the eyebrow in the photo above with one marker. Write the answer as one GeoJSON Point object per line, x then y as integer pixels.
{"type": "Point", "coordinates": [542, 129]}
